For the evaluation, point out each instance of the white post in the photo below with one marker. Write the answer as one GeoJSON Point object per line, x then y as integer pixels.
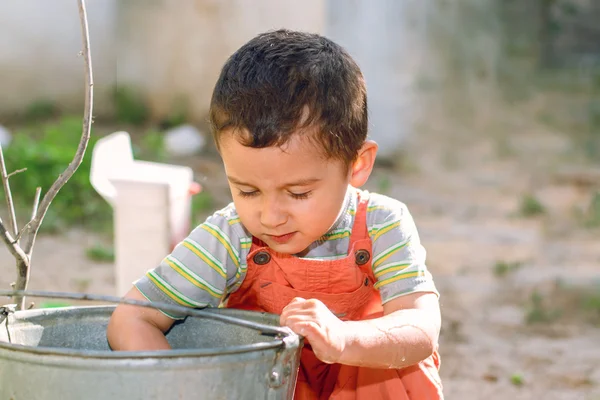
{"type": "Point", "coordinates": [151, 204]}
{"type": "Point", "coordinates": [141, 227]}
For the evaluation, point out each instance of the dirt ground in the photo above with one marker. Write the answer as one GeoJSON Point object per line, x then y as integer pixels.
{"type": "Point", "coordinates": [465, 191]}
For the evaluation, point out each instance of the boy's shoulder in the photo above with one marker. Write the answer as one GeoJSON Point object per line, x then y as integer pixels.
{"type": "Point", "coordinates": [382, 209]}
{"type": "Point", "coordinates": [227, 221]}
{"type": "Point", "coordinates": [228, 213]}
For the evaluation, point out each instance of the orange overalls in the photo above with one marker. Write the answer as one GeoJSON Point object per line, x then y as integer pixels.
{"type": "Point", "coordinates": [345, 286]}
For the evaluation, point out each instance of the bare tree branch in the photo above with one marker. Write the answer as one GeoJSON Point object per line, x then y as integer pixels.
{"type": "Point", "coordinates": [16, 172]}
{"type": "Point", "coordinates": [22, 263]}
{"type": "Point", "coordinates": [12, 219]}
{"type": "Point", "coordinates": [36, 202]}
{"type": "Point", "coordinates": [29, 232]}
{"type": "Point", "coordinates": [23, 272]}
{"type": "Point", "coordinates": [13, 247]}
{"type": "Point", "coordinates": [22, 231]}
{"type": "Point", "coordinates": [29, 240]}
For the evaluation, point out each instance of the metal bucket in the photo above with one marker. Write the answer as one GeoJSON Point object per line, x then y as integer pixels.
{"type": "Point", "coordinates": [63, 354]}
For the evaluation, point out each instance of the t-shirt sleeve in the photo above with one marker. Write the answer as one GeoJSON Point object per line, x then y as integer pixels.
{"type": "Point", "coordinates": [203, 268]}
{"type": "Point", "coordinates": [398, 256]}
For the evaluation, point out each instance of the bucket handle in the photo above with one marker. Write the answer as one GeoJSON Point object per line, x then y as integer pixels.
{"type": "Point", "coordinates": [268, 330]}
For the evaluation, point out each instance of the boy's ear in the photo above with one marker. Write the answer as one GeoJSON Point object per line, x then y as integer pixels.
{"type": "Point", "coordinates": [363, 165]}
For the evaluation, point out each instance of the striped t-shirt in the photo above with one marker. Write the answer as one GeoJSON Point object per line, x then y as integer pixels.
{"type": "Point", "coordinates": [211, 262]}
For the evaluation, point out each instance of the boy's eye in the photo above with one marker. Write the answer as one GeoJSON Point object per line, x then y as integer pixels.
{"type": "Point", "coordinates": [301, 196]}
{"type": "Point", "coordinates": [248, 194]}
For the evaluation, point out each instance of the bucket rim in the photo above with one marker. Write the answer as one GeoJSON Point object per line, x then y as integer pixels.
{"type": "Point", "coordinates": [274, 343]}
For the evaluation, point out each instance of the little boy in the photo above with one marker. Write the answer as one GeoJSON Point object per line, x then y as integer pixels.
{"type": "Point", "coordinates": [344, 268]}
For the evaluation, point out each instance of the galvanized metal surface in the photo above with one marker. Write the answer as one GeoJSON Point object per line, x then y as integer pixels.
{"type": "Point", "coordinates": [63, 354]}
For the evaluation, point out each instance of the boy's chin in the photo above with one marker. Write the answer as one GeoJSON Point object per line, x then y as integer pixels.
{"type": "Point", "coordinates": [297, 248]}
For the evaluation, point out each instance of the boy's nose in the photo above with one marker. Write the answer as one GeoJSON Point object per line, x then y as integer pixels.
{"type": "Point", "coordinates": [272, 215]}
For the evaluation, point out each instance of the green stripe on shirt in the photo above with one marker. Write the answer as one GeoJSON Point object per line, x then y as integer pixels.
{"type": "Point", "coordinates": [223, 239]}
{"type": "Point", "coordinates": [384, 255]}
{"type": "Point", "coordinates": [193, 278]}
{"type": "Point", "coordinates": [171, 292]}
{"type": "Point", "coordinates": [384, 228]}
{"type": "Point", "coordinates": [208, 258]}
{"type": "Point", "coordinates": [390, 267]}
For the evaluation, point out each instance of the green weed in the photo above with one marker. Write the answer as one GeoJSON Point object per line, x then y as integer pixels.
{"type": "Point", "coordinates": [40, 110]}
{"type": "Point", "coordinates": [503, 268]}
{"type": "Point", "coordinates": [100, 253]}
{"type": "Point", "coordinates": [130, 107]}
{"type": "Point", "coordinates": [517, 380]}
{"type": "Point", "coordinates": [539, 312]}
{"type": "Point", "coordinates": [530, 206]}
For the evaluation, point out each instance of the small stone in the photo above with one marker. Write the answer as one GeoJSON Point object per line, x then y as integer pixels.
{"type": "Point", "coordinates": [5, 136]}
{"type": "Point", "coordinates": [184, 140]}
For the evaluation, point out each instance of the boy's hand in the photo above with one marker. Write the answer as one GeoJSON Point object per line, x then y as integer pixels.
{"type": "Point", "coordinates": [313, 320]}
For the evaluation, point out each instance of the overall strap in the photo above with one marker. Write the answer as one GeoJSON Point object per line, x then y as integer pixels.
{"type": "Point", "coordinates": [359, 228]}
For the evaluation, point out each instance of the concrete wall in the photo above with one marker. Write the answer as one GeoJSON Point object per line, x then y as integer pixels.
{"type": "Point", "coordinates": [173, 49]}
{"type": "Point", "coordinates": [167, 48]}
{"type": "Point", "coordinates": [388, 40]}
{"type": "Point", "coordinates": [39, 43]}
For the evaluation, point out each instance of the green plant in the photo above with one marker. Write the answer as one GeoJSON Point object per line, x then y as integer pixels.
{"type": "Point", "coordinates": [152, 147]}
{"type": "Point", "coordinates": [590, 302]}
{"type": "Point", "coordinates": [503, 268]}
{"type": "Point", "coordinates": [517, 380]}
{"type": "Point", "coordinates": [100, 253]}
{"type": "Point", "coordinates": [130, 106]}
{"type": "Point", "coordinates": [177, 116]}
{"type": "Point", "coordinates": [538, 311]}
{"type": "Point", "coordinates": [201, 204]}
{"type": "Point", "coordinates": [45, 157]}
{"type": "Point", "coordinates": [40, 110]}
{"type": "Point", "coordinates": [592, 216]}
{"type": "Point", "coordinates": [531, 206]}
{"type": "Point", "coordinates": [53, 304]}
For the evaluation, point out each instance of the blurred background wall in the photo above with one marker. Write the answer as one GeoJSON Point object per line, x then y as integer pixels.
{"type": "Point", "coordinates": [169, 52]}
{"type": "Point", "coordinates": [164, 50]}
{"type": "Point", "coordinates": [39, 43]}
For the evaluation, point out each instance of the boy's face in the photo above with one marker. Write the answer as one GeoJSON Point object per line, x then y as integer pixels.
{"type": "Point", "coordinates": [287, 196]}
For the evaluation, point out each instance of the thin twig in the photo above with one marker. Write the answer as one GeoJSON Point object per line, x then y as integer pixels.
{"type": "Point", "coordinates": [29, 240]}
{"type": "Point", "coordinates": [36, 202]}
{"type": "Point", "coordinates": [16, 172]}
{"type": "Point", "coordinates": [22, 231]}
{"type": "Point", "coordinates": [12, 219]}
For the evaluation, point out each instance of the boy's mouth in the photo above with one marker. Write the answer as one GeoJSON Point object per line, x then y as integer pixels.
{"type": "Point", "coordinates": [281, 239]}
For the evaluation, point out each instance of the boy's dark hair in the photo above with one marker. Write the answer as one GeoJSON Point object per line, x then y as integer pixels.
{"type": "Point", "coordinates": [282, 81]}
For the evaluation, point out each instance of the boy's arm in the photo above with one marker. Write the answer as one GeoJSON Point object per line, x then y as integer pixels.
{"type": "Point", "coordinates": [408, 332]}
{"type": "Point", "coordinates": [405, 335]}
{"type": "Point", "coordinates": [198, 273]}
{"type": "Point", "coordinates": [135, 328]}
